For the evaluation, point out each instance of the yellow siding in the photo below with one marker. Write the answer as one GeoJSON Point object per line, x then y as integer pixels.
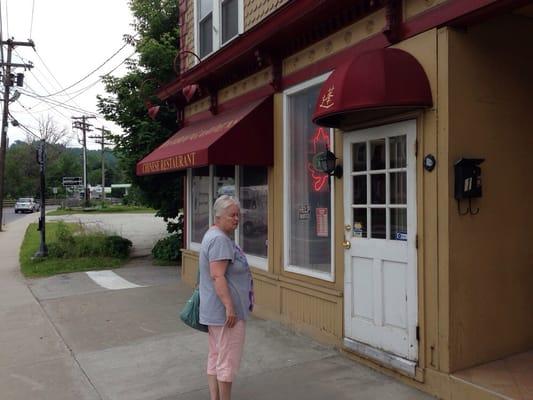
{"type": "Point", "coordinates": [491, 257]}
{"type": "Point", "coordinates": [413, 7]}
{"type": "Point", "coordinates": [257, 10]}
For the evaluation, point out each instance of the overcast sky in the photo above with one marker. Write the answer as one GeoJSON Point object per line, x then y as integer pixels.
{"type": "Point", "coordinates": [72, 38]}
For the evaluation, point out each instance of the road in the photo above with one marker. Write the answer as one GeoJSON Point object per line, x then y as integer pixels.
{"type": "Point", "coordinates": [10, 216]}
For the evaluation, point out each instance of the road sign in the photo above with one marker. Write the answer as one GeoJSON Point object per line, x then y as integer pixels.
{"type": "Point", "coordinates": [72, 181]}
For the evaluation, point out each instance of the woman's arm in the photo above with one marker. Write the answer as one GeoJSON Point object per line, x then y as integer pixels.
{"type": "Point", "coordinates": [217, 270]}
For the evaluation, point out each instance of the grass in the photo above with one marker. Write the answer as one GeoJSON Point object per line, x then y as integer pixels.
{"type": "Point", "coordinates": [31, 267]}
{"type": "Point", "coordinates": [103, 210]}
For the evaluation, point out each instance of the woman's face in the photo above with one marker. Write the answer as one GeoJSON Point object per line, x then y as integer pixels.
{"type": "Point", "coordinates": [229, 220]}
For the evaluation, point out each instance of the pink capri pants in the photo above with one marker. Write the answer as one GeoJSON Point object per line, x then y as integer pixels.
{"type": "Point", "coordinates": [225, 350]}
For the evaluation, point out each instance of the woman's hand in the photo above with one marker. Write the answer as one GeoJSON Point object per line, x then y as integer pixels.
{"type": "Point", "coordinates": [231, 317]}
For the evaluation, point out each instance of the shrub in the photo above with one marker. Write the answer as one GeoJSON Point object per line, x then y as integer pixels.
{"type": "Point", "coordinates": [117, 246]}
{"type": "Point", "coordinates": [168, 249]}
{"type": "Point", "coordinates": [87, 244]}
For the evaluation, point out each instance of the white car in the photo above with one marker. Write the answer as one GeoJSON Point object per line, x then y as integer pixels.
{"type": "Point", "coordinates": [26, 204]}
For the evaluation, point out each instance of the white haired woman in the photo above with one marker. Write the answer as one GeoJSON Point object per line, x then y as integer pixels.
{"type": "Point", "coordinates": [226, 294]}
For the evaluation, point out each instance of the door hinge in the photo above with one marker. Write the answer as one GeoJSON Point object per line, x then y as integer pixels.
{"type": "Point", "coordinates": [418, 333]}
{"type": "Point", "coordinates": [416, 147]}
{"type": "Point", "coordinates": [416, 241]}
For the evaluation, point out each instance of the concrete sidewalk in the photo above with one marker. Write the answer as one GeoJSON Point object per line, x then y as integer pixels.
{"type": "Point", "coordinates": [64, 337]}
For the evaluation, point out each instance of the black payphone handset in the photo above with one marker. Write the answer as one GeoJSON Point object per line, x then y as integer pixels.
{"type": "Point", "coordinates": [467, 182]}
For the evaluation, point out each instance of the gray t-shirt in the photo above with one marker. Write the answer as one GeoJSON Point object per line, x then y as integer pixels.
{"type": "Point", "coordinates": [217, 246]}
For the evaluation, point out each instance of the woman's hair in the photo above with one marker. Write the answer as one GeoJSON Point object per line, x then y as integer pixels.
{"type": "Point", "coordinates": [224, 202]}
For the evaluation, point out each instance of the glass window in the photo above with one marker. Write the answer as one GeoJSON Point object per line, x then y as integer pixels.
{"type": "Point", "coordinates": [253, 196]}
{"type": "Point", "coordinates": [252, 192]}
{"type": "Point", "coordinates": [217, 22]}
{"type": "Point", "coordinates": [309, 194]}
{"type": "Point", "coordinates": [199, 203]}
{"type": "Point", "coordinates": [230, 19]}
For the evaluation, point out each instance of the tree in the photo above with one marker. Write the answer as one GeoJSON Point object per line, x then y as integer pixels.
{"type": "Point", "coordinates": [156, 42]}
{"type": "Point", "coordinates": [51, 132]}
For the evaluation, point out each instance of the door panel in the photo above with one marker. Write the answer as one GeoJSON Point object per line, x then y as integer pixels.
{"type": "Point", "coordinates": [380, 222]}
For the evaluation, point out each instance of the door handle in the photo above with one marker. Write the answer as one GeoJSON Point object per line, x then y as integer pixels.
{"type": "Point", "coordinates": [346, 244]}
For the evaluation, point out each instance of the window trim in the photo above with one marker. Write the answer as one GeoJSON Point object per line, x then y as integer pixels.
{"type": "Point", "coordinates": [298, 269]}
{"type": "Point", "coordinates": [217, 28]}
{"type": "Point", "coordinates": [253, 260]}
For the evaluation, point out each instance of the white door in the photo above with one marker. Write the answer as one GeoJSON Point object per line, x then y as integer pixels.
{"type": "Point", "coordinates": [380, 231]}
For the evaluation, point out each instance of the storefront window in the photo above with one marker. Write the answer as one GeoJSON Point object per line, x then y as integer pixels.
{"type": "Point", "coordinates": [253, 195]}
{"type": "Point", "coordinates": [199, 203]}
{"type": "Point", "coordinates": [308, 207]}
{"type": "Point", "coordinates": [251, 189]}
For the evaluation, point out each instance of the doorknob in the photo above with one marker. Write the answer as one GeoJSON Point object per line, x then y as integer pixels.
{"type": "Point", "coordinates": [346, 244]}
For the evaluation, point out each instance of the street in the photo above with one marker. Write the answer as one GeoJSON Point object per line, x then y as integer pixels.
{"type": "Point", "coordinates": [10, 216]}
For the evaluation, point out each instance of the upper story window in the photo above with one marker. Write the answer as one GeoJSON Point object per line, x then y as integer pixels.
{"type": "Point", "coordinates": [217, 22]}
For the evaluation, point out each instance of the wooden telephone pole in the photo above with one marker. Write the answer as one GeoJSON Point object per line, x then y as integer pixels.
{"type": "Point", "coordinates": [8, 82]}
{"type": "Point", "coordinates": [101, 140]}
{"type": "Point", "coordinates": [82, 124]}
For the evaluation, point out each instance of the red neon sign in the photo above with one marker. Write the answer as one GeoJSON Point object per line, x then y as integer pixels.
{"type": "Point", "coordinates": [318, 178]}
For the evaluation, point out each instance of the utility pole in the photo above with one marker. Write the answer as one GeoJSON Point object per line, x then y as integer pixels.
{"type": "Point", "coordinates": [8, 82]}
{"type": "Point", "coordinates": [101, 141]}
{"type": "Point", "coordinates": [41, 160]}
{"type": "Point", "coordinates": [84, 127]}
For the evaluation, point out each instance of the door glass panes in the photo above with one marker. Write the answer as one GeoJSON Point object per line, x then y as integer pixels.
{"type": "Point", "coordinates": [398, 224]}
{"type": "Point", "coordinates": [199, 203]}
{"type": "Point", "coordinates": [359, 156]}
{"type": "Point", "coordinates": [230, 19]}
{"type": "Point", "coordinates": [378, 188]}
{"type": "Point", "coordinates": [359, 189]}
{"type": "Point", "coordinates": [379, 199]}
{"type": "Point", "coordinates": [359, 227]}
{"type": "Point", "coordinates": [377, 154]}
{"type": "Point", "coordinates": [398, 187]}
{"type": "Point", "coordinates": [397, 149]}
{"type": "Point", "coordinates": [379, 226]}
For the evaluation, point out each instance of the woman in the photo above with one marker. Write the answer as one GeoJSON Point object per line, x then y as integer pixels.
{"type": "Point", "coordinates": [226, 297]}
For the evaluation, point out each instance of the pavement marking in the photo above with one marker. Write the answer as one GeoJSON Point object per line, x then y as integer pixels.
{"type": "Point", "coordinates": [109, 280]}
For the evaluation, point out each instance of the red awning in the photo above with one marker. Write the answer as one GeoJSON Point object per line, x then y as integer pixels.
{"type": "Point", "coordinates": [238, 136]}
{"type": "Point", "coordinates": [374, 84]}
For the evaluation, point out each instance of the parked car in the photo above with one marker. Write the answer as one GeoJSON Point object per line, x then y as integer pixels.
{"type": "Point", "coordinates": [26, 204]}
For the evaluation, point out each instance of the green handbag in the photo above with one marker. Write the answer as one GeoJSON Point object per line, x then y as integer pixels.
{"type": "Point", "coordinates": [190, 314]}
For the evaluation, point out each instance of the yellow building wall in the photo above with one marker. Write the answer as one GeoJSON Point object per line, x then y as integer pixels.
{"type": "Point", "coordinates": [491, 257]}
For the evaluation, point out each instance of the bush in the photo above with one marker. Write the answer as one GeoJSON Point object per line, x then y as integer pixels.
{"type": "Point", "coordinates": [117, 246]}
{"type": "Point", "coordinates": [168, 249]}
{"type": "Point", "coordinates": [87, 244]}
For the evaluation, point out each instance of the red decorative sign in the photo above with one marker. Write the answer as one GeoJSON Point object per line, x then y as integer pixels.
{"type": "Point", "coordinates": [319, 179]}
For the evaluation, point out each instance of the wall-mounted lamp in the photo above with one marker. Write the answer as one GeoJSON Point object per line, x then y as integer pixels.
{"type": "Point", "coordinates": [327, 162]}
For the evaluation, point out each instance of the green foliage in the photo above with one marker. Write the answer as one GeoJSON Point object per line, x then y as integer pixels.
{"type": "Point", "coordinates": [156, 43]}
{"type": "Point", "coordinates": [22, 170]}
{"type": "Point", "coordinates": [57, 261]}
{"type": "Point", "coordinates": [117, 246]}
{"type": "Point", "coordinates": [168, 249]}
{"type": "Point", "coordinates": [69, 244]}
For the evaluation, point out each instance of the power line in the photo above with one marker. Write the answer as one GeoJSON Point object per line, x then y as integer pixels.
{"type": "Point", "coordinates": [32, 12]}
{"type": "Point", "coordinates": [7, 19]}
{"type": "Point", "coordinates": [90, 73]}
{"type": "Point", "coordinates": [1, 35]}
{"type": "Point", "coordinates": [55, 103]}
